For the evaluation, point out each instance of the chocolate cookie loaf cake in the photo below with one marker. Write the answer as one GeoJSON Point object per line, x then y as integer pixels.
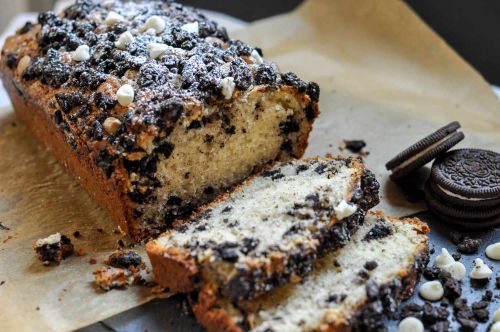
{"type": "Point", "coordinates": [351, 289]}
{"type": "Point", "coordinates": [268, 231]}
{"type": "Point", "coordinates": [152, 106]}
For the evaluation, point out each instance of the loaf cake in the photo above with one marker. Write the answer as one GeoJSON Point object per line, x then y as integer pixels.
{"type": "Point", "coordinates": [152, 106]}
{"type": "Point", "coordinates": [351, 289]}
{"type": "Point", "coordinates": [269, 230]}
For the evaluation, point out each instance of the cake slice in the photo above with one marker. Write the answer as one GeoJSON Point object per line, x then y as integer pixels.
{"type": "Point", "coordinates": [269, 230]}
{"type": "Point", "coordinates": [351, 289]}
{"type": "Point", "coordinates": [152, 107]}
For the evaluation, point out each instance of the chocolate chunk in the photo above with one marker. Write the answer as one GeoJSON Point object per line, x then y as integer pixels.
{"type": "Point", "coordinates": [50, 71]}
{"type": "Point", "coordinates": [354, 145]}
{"type": "Point", "coordinates": [370, 265]}
{"type": "Point", "coordinates": [313, 91]}
{"type": "Point", "coordinates": [249, 244]}
{"type": "Point", "coordinates": [67, 101]}
{"type": "Point", "coordinates": [431, 272]}
{"type": "Point", "coordinates": [293, 80]}
{"type": "Point", "coordinates": [429, 314]}
{"type": "Point", "coordinates": [11, 60]}
{"type": "Point", "coordinates": [411, 310]}
{"type": "Point", "coordinates": [378, 231]}
{"type": "Point", "coordinates": [310, 112]}
{"type": "Point", "coordinates": [265, 74]}
{"type": "Point", "coordinates": [469, 246]}
{"type": "Point", "coordinates": [488, 296]}
{"type": "Point", "coordinates": [452, 288]}
{"type": "Point", "coordinates": [124, 259]}
{"type": "Point", "coordinates": [174, 200]}
{"type": "Point", "coordinates": [363, 274]}
{"type": "Point", "coordinates": [290, 126]}
{"type": "Point", "coordinates": [480, 310]}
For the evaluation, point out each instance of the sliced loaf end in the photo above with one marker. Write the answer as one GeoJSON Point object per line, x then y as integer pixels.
{"type": "Point", "coordinates": [344, 293]}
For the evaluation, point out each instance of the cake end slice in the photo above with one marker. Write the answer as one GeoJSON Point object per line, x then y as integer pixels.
{"type": "Point", "coordinates": [351, 289]}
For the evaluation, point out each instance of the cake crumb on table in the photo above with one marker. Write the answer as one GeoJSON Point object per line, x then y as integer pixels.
{"type": "Point", "coordinates": [53, 249]}
{"type": "Point", "coordinates": [123, 269]}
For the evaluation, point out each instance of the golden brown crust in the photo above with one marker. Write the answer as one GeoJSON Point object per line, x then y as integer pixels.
{"type": "Point", "coordinates": [173, 268]}
{"type": "Point", "coordinates": [81, 165]}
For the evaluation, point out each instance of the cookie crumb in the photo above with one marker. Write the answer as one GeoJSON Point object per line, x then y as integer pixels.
{"type": "Point", "coordinates": [354, 146]}
{"type": "Point", "coordinates": [92, 261]}
{"type": "Point", "coordinates": [124, 268]}
{"type": "Point", "coordinates": [469, 246]}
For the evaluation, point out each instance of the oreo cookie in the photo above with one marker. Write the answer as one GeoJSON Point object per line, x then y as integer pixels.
{"type": "Point", "coordinates": [464, 188]}
{"type": "Point", "coordinates": [425, 150]}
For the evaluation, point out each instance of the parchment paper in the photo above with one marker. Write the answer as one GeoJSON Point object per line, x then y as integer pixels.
{"type": "Point", "coordinates": [385, 77]}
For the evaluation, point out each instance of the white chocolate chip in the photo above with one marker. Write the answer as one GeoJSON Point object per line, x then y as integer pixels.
{"type": "Point", "coordinates": [443, 259]}
{"type": "Point", "coordinates": [495, 327]}
{"type": "Point", "coordinates": [156, 23]}
{"type": "Point", "coordinates": [256, 58]}
{"type": "Point", "coordinates": [125, 95]}
{"type": "Point", "coordinates": [411, 324]}
{"type": "Point", "coordinates": [431, 290]}
{"type": "Point", "coordinates": [23, 64]}
{"type": "Point", "coordinates": [51, 239]}
{"type": "Point", "coordinates": [156, 50]}
{"type": "Point", "coordinates": [480, 270]}
{"type": "Point", "coordinates": [82, 53]}
{"type": "Point", "coordinates": [227, 85]}
{"type": "Point", "coordinates": [496, 315]}
{"type": "Point", "coordinates": [344, 210]}
{"type": "Point", "coordinates": [112, 125]}
{"type": "Point", "coordinates": [456, 269]}
{"type": "Point", "coordinates": [191, 27]}
{"type": "Point", "coordinates": [125, 39]}
{"type": "Point", "coordinates": [113, 18]}
{"type": "Point", "coordinates": [493, 251]}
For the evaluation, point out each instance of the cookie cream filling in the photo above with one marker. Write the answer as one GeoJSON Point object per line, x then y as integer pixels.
{"type": "Point", "coordinates": [423, 152]}
{"type": "Point", "coordinates": [449, 193]}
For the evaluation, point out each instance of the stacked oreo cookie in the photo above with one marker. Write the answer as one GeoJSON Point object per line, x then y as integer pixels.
{"type": "Point", "coordinates": [464, 188]}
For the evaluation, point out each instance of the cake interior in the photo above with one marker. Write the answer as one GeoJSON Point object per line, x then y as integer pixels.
{"type": "Point", "coordinates": [294, 200]}
{"type": "Point", "coordinates": [226, 146]}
